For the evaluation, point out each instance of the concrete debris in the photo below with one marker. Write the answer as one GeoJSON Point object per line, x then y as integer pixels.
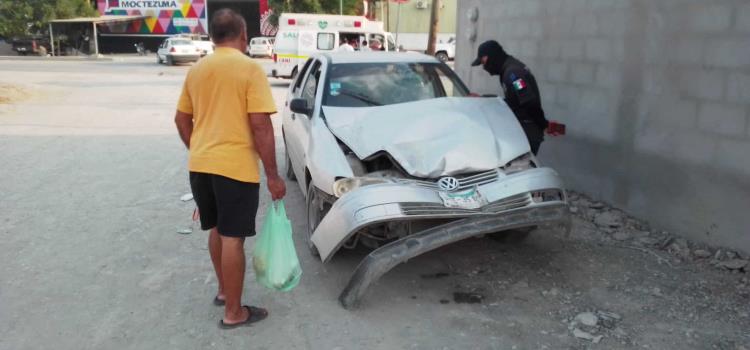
{"type": "Point", "coordinates": [553, 292]}
{"type": "Point", "coordinates": [621, 236]}
{"type": "Point", "coordinates": [597, 205]}
{"type": "Point", "coordinates": [701, 254]}
{"type": "Point", "coordinates": [609, 315]}
{"type": "Point", "coordinates": [608, 219]}
{"type": "Point", "coordinates": [587, 319]}
{"type": "Point", "coordinates": [734, 264]}
{"type": "Point", "coordinates": [574, 210]}
{"type": "Point", "coordinates": [186, 197]}
{"type": "Point", "coordinates": [587, 336]}
{"type": "Point", "coordinates": [185, 231]}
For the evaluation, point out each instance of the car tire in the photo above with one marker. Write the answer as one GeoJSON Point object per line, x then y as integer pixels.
{"type": "Point", "coordinates": [170, 61]}
{"type": "Point", "coordinates": [317, 209]}
{"type": "Point", "coordinates": [514, 236]}
{"type": "Point", "coordinates": [442, 56]}
{"type": "Point", "coordinates": [288, 160]}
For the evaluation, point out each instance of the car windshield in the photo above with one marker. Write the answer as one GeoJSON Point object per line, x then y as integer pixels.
{"type": "Point", "coordinates": [379, 84]}
{"type": "Point", "coordinates": [181, 42]}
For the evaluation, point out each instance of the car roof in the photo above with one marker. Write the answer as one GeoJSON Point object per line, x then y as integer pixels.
{"type": "Point", "coordinates": [376, 57]}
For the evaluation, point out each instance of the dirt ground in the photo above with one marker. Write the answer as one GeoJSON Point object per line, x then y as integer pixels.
{"type": "Point", "coordinates": [92, 175]}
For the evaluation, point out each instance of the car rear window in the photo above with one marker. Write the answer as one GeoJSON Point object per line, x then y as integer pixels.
{"type": "Point", "coordinates": [379, 84]}
{"type": "Point", "coordinates": [181, 42]}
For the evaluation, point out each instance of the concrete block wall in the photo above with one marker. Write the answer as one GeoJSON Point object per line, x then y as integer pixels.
{"type": "Point", "coordinates": [656, 96]}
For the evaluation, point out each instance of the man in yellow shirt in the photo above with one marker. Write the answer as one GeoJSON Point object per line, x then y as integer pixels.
{"type": "Point", "coordinates": [223, 117]}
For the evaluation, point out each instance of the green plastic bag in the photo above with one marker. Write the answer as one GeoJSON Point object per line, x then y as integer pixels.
{"type": "Point", "coordinates": [275, 260]}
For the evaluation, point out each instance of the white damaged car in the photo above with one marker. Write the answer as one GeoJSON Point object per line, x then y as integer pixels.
{"type": "Point", "coordinates": [394, 155]}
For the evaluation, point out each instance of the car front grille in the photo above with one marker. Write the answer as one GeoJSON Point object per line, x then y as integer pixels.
{"type": "Point", "coordinates": [464, 183]}
{"type": "Point", "coordinates": [435, 209]}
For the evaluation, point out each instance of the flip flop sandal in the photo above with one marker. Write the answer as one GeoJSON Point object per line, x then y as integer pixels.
{"type": "Point", "coordinates": [219, 302]}
{"type": "Point", "coordinates": [256, 314]}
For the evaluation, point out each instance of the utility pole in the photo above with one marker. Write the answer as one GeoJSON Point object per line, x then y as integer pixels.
{"type": "Point", "coordinates": [434, 18]}
{"type": "Point", "coordinates": [341, 7]}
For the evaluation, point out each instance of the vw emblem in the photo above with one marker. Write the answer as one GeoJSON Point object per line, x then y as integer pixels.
{"type": "Point", "coordinates": [448, 184]}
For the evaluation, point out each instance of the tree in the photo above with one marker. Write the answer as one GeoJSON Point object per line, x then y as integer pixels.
{"type": "Point", "coordinates": [20, 18]}
{"type": "Point", "coordinates": [350, 7]}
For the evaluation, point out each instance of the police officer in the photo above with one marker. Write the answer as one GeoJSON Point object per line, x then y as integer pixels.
{"type": "Point", "coordinates": [521, 90]}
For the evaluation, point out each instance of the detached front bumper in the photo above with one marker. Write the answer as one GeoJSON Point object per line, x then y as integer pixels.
{"type": "Point", "coordinates": [387, 257]}
{"type": "Point", "coordinates": [507, 195]}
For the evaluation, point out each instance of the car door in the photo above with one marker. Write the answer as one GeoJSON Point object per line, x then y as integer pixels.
{"type": "Point", "coordinates": [300, 123]}
{"type": "Point", "coordinates": [290, 124]}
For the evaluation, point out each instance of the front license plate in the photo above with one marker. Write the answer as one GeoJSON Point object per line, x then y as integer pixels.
{"type": "Point", "coordinates": [470, 199]}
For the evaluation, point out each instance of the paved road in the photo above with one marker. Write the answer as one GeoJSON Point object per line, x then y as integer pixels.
{"type": "Point", "coordinates": [92, 173]}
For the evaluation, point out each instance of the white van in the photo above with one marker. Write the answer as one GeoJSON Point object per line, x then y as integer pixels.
{"type": "Point", "coordinates": [301, 35]}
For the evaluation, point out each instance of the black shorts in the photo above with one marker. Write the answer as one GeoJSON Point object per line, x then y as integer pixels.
{"type": "Point", "coordinates": [224, 203]}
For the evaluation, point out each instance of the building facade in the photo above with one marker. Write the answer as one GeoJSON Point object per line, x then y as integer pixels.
{"type": "Point", "coordinates": [414, 23]}
{"type": "Point", "coordinates": [169, 17]}
{"type": "Point", "coordinates": [655, 94]}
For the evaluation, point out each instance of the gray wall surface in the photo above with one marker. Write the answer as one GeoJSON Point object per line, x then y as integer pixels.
{"type": "Point", "coordinates": [655, 94]}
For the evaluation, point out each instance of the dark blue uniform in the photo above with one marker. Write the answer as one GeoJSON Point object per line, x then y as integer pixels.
{"type": "Point", "coordinates": [523, 98]}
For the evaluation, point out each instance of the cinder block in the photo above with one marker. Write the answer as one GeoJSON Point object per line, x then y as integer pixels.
{"type": "Point", "coordinates": [595, 101]}
{"type": "Point", "coordinates": [582, 73]}
{"type": "Point", "coordinates": [585, 25]}
{"type": "Point", "coordinates": [674, 113]}
{"type": "Point", "coordinates": [557, 71]}
{"type": "Point", "coordinates": [550, 48]}
{"type": "Point", "coordinates": [738, 88]}
{"type": "Point", "coordinates": [572, 49]}
{"type": "Point", "coordinates": [729, 53]}
{"type": "Point", "coordinates": [722, 118]}
{"type": "Point", "coordinates": [734, 155]}
{"type": "Point", "coordinates": [613, 24]}
{"type": "Point", "coordinates": [608, 76]}
{"type": "Point", "coordinates": [742, 22]}
{"type": "Point", "coordinates": [686, 51]}
{"type": "Point", "coordinates": [705, 84]}
{"type": "Point", "coordinates": [598, 50]}
{"type": "Point", "coordinates": [709, 18]}
{"type": "Point", "coordinates": [529, 48]}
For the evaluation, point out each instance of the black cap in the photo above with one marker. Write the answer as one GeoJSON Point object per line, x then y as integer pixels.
{"type": "Point", "coordinates": [488, 48]}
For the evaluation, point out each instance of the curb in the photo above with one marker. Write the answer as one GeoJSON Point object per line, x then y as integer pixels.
{"type": "Point", "coordinates": [55, 58]}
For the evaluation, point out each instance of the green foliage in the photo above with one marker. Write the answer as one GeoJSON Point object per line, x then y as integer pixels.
{"type": "Point", "coordinates": [350, 7]}
{"type": "Point", "coordinates": [19, 18]}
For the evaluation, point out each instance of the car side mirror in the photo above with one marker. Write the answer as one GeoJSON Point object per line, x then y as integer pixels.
{"type": "Point", "coordinates": [299, 105]}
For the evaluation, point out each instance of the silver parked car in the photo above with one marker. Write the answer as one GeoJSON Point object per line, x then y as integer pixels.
{"type": "Point", "coordinates": [394, 155]}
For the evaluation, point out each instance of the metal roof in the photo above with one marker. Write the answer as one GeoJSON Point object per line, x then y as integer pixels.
{"type": "Point", "coordinates": [99, 20]}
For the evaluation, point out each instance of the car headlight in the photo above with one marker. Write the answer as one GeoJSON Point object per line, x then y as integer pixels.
{"type": "Point", "coordinates": [521, 163]}
{"type": "Point", "coordinates": [343, 186]}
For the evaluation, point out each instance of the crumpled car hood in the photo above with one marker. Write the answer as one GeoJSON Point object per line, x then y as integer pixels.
{"type": "Point", "coordinates": [433, 138]}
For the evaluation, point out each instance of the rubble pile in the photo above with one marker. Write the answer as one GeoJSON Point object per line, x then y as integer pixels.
{"type": "Point", "coordinates": [636, 234]}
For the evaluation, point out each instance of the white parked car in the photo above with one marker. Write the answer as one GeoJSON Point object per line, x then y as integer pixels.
{"type": "Point", "coordinates": [392, 154]}
{"type": "Point", "coordinates": [205, 46]}
{"type": "Point", "coordinates": [177, 50]}
{"type": "Point", "coordinates": [261, 47]}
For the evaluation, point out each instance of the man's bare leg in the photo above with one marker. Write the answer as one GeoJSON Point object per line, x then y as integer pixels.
{"type": "Point", "coordinates": [233, 276]}
{"type": "Point", "coordinates": [214, 249]}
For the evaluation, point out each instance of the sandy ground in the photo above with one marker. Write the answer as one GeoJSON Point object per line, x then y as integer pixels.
{"type": "Point", "coordinates": [92, 173]}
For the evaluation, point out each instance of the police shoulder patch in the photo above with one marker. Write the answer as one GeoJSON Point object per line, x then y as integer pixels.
{"type": "Point", "coordinates": [519, 84]}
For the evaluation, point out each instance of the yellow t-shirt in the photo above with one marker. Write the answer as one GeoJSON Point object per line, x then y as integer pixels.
{"type": "Point", "coordinates": [219, 91]}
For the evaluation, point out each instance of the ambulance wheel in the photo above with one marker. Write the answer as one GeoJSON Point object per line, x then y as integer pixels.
{"type": "Point", "coordinates": [442, 56]}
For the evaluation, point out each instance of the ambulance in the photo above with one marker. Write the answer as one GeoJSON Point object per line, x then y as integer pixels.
{"type": "Point", "coordinates": [301, 35]}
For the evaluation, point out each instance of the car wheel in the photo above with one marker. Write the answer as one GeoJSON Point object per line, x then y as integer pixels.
{"type": "Point", "coordinates": [317, 209]}
{"type": "Point", "coordinates": [170, 61]}
{"type": "Point", "coordinates": [442, 56]}
{"type": "Point", "coordinates": [514, 236]}
{"type": "Point", "coordinates": [289, 170]}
